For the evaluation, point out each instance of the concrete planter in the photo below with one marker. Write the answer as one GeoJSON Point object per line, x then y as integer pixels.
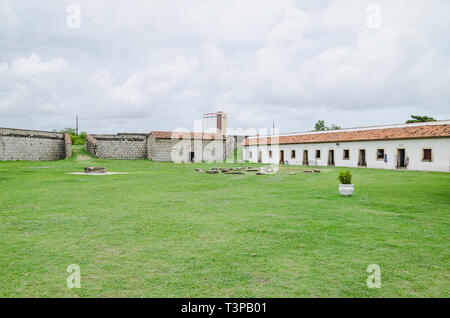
{"type": "Point", "coordinates": [346, 189]}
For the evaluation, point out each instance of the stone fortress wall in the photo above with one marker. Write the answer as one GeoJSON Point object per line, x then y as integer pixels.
{"type": "Point", "coordinates": [187, 150]}
{"type": "Point", "coordinates": [33, 145]}
{"type": "Point", "coordinates": [21, 144]}
{"type": "Point", "coordinates": [120, 146]}
{"type": "Point", "coordinates": [146, 146]}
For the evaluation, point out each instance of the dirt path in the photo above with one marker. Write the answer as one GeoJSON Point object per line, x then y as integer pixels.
{"type": "Point", "coordinates": [83, 157]}
{"type": "Point", "coordinates": [81, 154]}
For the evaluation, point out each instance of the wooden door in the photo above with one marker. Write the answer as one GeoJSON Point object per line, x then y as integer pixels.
{"type": "Point", "coordinates": [401, 158]}
{"type": "Point", "coordinates": [362, 158]}
{"type": "Point", "coordinates": [331, 158]}
{"type": "Point", "coordinates": [305, 157]}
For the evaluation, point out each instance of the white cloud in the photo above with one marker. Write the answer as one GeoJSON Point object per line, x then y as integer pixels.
{"type": "Point", "coordinates": [292, 28]}
{"type": "Point", "coordinates": [129, 92]}
{"type": "Point", "coordinates": [9, 20]}
{"type": "Point", "coordinates": [22, 66]}
{"type": "Point", "coordinates": [102, 78]}
{"type": "Point", "coordinates": [161, 64]}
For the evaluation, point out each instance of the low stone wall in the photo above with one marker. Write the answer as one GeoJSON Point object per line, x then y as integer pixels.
{"type": "Point", "coordinates": [20, 144]}
{"type": "Point", "coordinates": [120, 146]}
{"type": "Point", "coordinates": [91, 145]}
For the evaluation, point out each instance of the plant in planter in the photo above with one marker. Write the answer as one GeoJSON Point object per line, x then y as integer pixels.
{"type": "Point", "coordinates": [346, 187]}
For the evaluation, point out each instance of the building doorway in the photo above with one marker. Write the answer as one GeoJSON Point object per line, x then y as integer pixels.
{"type": "Point", "coordinates": [282, 156]}
{"type": "Point", "coordinates": [191, 156]}
{"type": "Point", "coordinates": [331, 157]}
{"type": "Point", "coordinates": [305, 157]}
{"type": "Point", "coordinates": [259, 157]}
{"type": "Point", "coordinates": [362, 158]}
{"type": "Point", "coordinates": [401, 158]}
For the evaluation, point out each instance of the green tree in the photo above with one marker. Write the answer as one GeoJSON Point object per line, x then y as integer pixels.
{"type": "Point", "coordinates": [334, 127]}
{"type": "Point", "coordinates": [320, 125]}
{"type": "Point", "coordinates": [419, 119]}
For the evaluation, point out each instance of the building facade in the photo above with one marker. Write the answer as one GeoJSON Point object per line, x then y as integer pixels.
{"type": "Point", "coordinates": [424, 146]}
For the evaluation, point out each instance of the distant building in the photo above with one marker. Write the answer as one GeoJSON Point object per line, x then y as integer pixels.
{"type": "Point", "coordinates": [421, 146]}
{"type": "Point", "coordinates": [215, 123]}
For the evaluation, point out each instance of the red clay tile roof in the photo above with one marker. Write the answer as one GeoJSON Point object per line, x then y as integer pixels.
{"type": "Point", "coordinates": [413, 132]}
{"type": "Point", "coordinates": [186, 135]}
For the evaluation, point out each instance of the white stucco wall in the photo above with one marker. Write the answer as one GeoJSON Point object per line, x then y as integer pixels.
{"type": "Point", "coordinates": [413, 149]}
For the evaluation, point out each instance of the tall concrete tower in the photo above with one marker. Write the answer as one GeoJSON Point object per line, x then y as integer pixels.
{"type": "Point", "coordinates": [215, 123]}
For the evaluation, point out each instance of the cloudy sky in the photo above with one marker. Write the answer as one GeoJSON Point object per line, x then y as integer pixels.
{"type": "Point", "coordinates": [136, 66]}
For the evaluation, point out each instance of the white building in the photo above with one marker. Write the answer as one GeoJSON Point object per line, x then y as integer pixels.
{"type": "Point", "coordinates": [215, 123]}
{"type": "Point", "coordinates": [420, 146]}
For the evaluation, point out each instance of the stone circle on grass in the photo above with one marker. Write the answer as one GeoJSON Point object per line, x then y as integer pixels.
{"type": "Point", "coordinates": [94, 170]}
{"type": "Point", "coordinates": [96, 174]}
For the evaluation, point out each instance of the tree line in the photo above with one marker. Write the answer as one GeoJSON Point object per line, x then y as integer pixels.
{"type": "Point", "coordinates": [320, 124]}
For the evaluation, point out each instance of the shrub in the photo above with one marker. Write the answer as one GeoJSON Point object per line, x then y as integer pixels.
{"type": "Point", "coordinates": [345, 177]}
{"type": "Point", "coordinates": [76, 139]}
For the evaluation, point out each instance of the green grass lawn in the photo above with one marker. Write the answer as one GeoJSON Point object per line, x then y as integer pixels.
{"type": "Point", "coordinates": [164, 230]}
